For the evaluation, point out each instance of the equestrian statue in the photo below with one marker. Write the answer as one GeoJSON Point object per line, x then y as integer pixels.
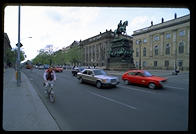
{"type": "Point", "coordinates": [121, 27]}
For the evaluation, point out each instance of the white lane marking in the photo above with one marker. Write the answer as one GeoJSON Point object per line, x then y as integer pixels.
{"type": "Point", "coordinates": [137, 89]}
{"type": "Point", "coordinates": [113, 100]}
{"type": "Point", "coordinates": [175, 87]}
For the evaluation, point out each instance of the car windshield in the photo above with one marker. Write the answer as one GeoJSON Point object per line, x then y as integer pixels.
{"type": "Point", "coordinates": [99, 72]}
{"type": "Point", "coordinates": [147, 74]}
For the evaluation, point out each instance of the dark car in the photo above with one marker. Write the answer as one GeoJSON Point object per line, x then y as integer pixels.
{"type": "Point", "coordinates": [76, 70]}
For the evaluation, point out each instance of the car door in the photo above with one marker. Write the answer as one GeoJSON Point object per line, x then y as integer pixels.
{"type": "Point", "coordinates": [88, 76]}
{"type": "Point", "coordinates": [131, 77]}
{"type": "Point", "coordinates": [140, 78]}
{"type": "Point", "coordinates": [85, 76]}
{"type": "Point", "coordinates": [92, 78]}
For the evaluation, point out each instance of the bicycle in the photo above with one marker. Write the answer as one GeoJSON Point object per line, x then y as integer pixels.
{"type": "Point", "coordinates": [50, 92]}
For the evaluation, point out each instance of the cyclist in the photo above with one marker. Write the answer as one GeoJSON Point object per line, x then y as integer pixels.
{"type": "Point", "coordinates": [49, 77]}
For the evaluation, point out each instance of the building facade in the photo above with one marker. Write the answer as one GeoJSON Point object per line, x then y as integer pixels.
{"type": "Point", "coordinates": [95, 50]}
{"type": "Point", "coordinates": [163, 46]}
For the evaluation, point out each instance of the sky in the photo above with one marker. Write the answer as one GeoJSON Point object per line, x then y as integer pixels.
{"type": "Point", "coordinates": [61, 26]}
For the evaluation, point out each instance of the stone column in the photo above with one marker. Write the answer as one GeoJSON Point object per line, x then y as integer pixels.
{"type": "Point", "coordinates": [162, 44]}
{"type": "Point", "coordinates": [151, 46]}
{"type": "Point", "coordinates": [175, 48]}
{"type": "Point", "coordinates": [188, 41]}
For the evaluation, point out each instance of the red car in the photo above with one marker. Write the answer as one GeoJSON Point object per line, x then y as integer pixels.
{"type": "Point", "coordinates": [58, 69]}
{"type": "Point", "coordinates": [143, 77]}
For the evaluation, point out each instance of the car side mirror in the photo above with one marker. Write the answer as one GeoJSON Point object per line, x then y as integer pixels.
{"type": "Point", "coordinates": [92, 75]}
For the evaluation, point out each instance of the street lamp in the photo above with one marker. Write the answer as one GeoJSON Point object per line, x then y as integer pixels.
{"type": "Point", "coordinates": [18, 74]}
{"type": "Point", "coordinates": [140, 54]}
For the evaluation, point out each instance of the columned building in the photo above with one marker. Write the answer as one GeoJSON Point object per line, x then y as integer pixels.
{"type": "Point", "coordinates": [163, 46]}
{"type": "Point", "coordinates": [95, 50]}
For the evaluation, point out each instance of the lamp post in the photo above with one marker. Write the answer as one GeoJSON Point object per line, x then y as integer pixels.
{"type": "Point", "coordinates": [140, 54]}
{"type": "Point", "coordinates": [18, 73]}
{"type": "Point", "coordinates": [18, 59]}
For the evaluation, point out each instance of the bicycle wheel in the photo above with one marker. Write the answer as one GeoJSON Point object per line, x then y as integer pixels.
{"type": "Point", "coordinates": [52, 97]}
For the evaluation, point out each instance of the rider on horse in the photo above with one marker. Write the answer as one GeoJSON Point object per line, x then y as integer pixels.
{"type": "Point", "coordinates": [121, 27]}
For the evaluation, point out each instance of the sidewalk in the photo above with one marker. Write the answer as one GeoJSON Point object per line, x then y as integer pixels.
{"type": "Point", "coordinates": [23, 110]}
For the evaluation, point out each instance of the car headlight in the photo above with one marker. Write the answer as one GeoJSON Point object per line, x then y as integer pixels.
{"type": "Point", "coordinates": [106, 80]}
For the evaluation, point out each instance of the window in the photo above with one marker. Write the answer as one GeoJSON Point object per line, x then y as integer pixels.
{"type": "Point", "coordinates": [156, 49]}
{"type": "Point", "coordinates": [137, 42]}
{"type": "Point", "coordinates": [137, 52]}
{"type": "Point", "coordinates": [144, 63]}
{"type": "Point", "coordinates": [181, 48]}
{"type": "Point", "coordinates": [147, 74]}
{"type": "Point", "coordinates": [144, 51]}
{"type": "Point", "coordinates": [131, 73]}
{"type": "Point", "coordinates": [166, 63]}
{"type": "Point", "coordinates": [139, 74]}
{"type": "Point", "coordinates": [182, 33]}
{"type": "Point", "coordinates": [136, 64]}
{"type": "Point", "coordinates": [145, 40]}
{"type": "Point", "coordinates": [99, 72]}
{"type": "Point", "coordinates": [156, 38]}
{"type": "Point", "coordinates": [85, 72]}
{"type": "Point", "coordinates": [180, 63]}
{"type": "Point", "coordinates": [155, 63]}
{"type": "Point", "coordinates": [168, 36]}
{"type": "Point", "coordinates": [167, 49]}
{"type": "Point", "coordinates": [90, 72]}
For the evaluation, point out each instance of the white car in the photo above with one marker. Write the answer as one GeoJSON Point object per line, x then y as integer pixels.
{"type": "Point", "coordinates": [97, 77]}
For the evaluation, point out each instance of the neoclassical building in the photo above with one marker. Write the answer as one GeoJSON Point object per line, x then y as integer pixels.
{"type": "Point", "coordinates": [163, 46]}
{"type": "Point", "coordinates": [95, 50]}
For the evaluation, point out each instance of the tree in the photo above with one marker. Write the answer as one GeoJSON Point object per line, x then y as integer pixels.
{"type": "Point", "coordinates": [12, 56]}
{"type": "Point", "coordinates": [46, 55]}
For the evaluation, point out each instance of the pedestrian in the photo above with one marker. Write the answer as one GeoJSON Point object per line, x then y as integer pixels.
{"type": "Point", "coordinates": [177, 70]}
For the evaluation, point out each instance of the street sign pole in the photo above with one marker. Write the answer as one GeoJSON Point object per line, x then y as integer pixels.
{"type": "Point", "coordinates": [18, 59]}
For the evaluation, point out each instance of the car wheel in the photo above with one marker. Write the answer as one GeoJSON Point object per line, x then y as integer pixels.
{"type": "Point", "coordinates": [81, 80]}
{"type": "Point", "coordinates": [126, 82]}
{"type": "Point", "coordinates": [151, 85]}
{"type": "Point", "coordinates": [98, 84]}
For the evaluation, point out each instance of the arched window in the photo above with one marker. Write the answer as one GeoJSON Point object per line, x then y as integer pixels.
{"type": "Point", "coordinates": [167, 49]}
{"type": "Point", "coordinates": [181, 47]}
{"type": "Point", "coordinates": [156, 50]}
{"type": "Point", "coordinates": [144, 51]}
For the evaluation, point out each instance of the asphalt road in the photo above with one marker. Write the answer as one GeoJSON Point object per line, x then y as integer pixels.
{"type": "Point", "coordinates": [81, 107]}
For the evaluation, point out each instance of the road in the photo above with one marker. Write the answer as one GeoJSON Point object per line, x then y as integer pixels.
{"type": "Point", "coordinates": [83, 107]}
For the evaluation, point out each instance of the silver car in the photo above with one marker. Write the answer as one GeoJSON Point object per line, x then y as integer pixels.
{"type": "Point", "coordinates": [97, 77]}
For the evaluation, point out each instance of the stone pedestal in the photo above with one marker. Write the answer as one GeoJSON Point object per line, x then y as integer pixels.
{"type": "Point", "coordinates": [121, 55]}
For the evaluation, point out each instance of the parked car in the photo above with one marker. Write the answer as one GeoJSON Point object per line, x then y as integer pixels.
{"type": "Point", "coordinates": [46, 66]}
{"type": "Point", "coordinates": [41, 67]}
{"type": "Point", "coordinates": [97, 77]}
{"type": "Point", "coordinates": [58, 69]}
{"type": "Point", "coordinates": [76, 70]}
{"type": "Point", "coordinates": [143, 77]}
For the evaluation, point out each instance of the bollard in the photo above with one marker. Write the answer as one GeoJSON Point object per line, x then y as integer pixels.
{"type": "Point", "coordinates": [16, 75]}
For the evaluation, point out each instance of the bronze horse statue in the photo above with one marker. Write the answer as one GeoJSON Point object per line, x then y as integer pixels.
{"type": "Point", "coordinates": [121, 28]}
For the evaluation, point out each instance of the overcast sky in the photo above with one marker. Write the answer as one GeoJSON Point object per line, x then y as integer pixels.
{"type": "Point", "coordinates": [60, 26]}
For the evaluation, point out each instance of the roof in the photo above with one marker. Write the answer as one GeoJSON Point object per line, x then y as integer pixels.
{"type": "Point", "coordinates": [163, 25]}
